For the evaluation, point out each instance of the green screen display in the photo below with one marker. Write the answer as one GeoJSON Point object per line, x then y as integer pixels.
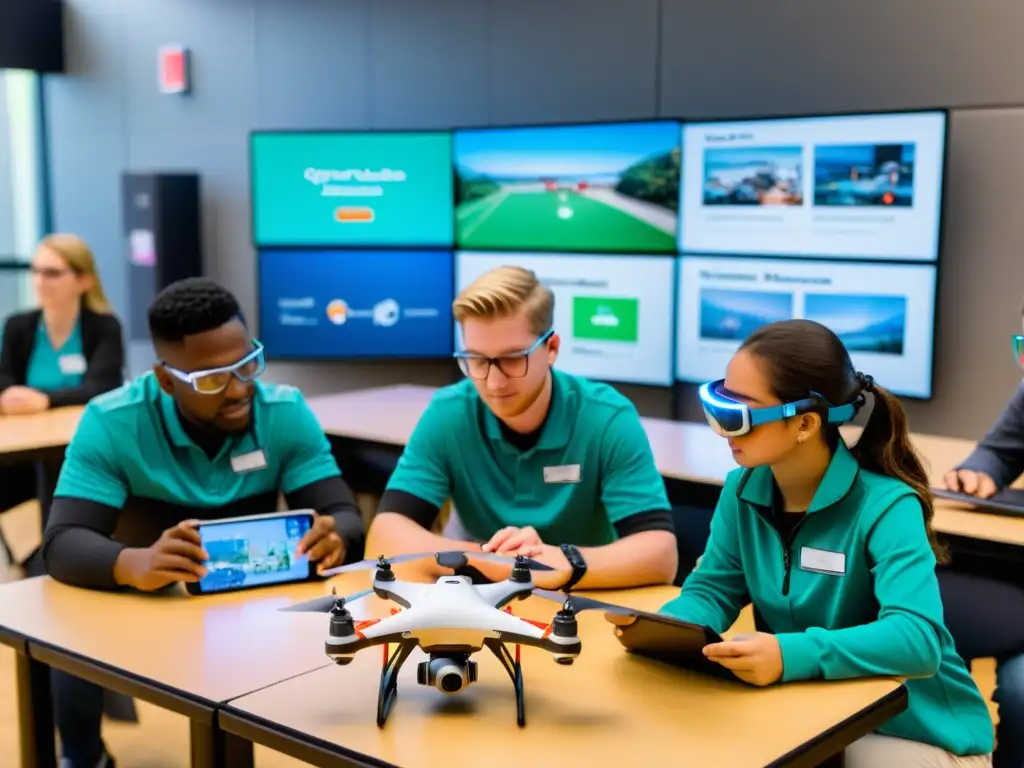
{"type": "Point", "coordinates": [360, 189]}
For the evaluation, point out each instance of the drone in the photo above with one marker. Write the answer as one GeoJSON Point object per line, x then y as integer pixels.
{"type": "Point", "coordinates": [450, 619]}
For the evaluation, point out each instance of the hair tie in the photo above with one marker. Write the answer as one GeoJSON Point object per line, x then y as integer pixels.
{"type": "Point", "coordinates": [867, 383]}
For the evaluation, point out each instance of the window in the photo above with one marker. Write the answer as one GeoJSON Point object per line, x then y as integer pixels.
{"type": "Point", "coordinates": [22, 184]}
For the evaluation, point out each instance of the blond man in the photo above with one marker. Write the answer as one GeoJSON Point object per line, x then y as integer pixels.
{"type": "Point", "coordinates": [536, 461]}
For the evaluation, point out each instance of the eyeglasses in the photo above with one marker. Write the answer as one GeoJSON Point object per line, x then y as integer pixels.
{"type": "Point", "coordinates": [50, 273]}
{"type": "Point", "coordinates": [1018, 350]}
{"type": "Point", "coordinates": [511, 366]}
{"type": "Point", "coordinates": [216, 380]}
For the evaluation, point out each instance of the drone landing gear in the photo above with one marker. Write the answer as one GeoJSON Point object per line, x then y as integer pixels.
{"type": "Point", "coordinates": [515, 670]}
{"type": "Point", "coordinates": [389, 679]}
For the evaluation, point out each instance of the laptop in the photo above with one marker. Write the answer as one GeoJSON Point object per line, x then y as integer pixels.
{"type": "Point", "coordinates": [1009, 501]}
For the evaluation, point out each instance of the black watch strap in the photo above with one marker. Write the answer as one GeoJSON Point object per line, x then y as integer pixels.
{"type": "Point", "coordinates": [579, 566]}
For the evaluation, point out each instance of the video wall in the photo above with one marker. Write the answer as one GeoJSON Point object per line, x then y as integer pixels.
{"type": "Point", "coordinates": [665, 242]}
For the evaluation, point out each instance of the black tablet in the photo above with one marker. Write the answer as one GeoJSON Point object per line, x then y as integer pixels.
{"type": "Point", "coordinates": [680, 643]}
{"type": "Point", "coordinates": [1009, 501]}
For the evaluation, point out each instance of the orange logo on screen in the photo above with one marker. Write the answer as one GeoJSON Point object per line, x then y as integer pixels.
{"type": "Point", "coordinates": [349, 214]}
{"type": "Point", "coordinates": [337, 312]}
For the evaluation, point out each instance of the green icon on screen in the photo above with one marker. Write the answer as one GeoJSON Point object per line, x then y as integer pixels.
{"type": "Point", "coordinates": [600, 318]}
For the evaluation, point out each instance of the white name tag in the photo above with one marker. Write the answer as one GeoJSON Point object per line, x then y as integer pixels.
{"type": "Point", "coordinates": [567, 473]}
{"type": "Point", "coordinates": [247, 462]}
{"type": "Point", "coordinates": [71, 364]}
{"type": "Point", "coordinates": [822, 561]}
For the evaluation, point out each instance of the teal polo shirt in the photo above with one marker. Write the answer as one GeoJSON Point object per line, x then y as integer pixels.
{"type": "Point", "coordinates": [131, 452]}
{"type": "Point", "coordinates": [849, 592]}
{"type": "Point", "coordinates": [51, 368]}
{"type": "Point", "coordinates": [590, 470]}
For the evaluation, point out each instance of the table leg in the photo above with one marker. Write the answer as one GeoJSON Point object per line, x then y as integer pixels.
{"type": "Point", "coordinates": [214, 748]}
{"type": "Point", "coordinates": [35, 713]}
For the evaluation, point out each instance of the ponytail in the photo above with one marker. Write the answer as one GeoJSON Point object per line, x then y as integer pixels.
{"type": "Point", "coordinates": [884, 447]}
{"type": "Point", "coordinates": [95, 298]}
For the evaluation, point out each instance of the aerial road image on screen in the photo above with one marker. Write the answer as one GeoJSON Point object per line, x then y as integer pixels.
{"type": "Point", "coordinates": [611, 187]}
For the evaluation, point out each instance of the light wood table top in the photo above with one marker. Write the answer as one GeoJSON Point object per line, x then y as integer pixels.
{"type": "Point", "coordinates": [604, 704]}
{"type": "Point", "coordinates": [50, 429]}
{"type": "Point", "coordinates": [685, 451]}
{"type": "Point", "coordinates": [211, 647]}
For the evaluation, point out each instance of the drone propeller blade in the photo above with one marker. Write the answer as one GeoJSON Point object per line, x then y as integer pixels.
{"type": "Point", "coordinates": [326, 603]}
{"type": "Point", "coordinates": [580, 603]}
{"type": "Point", "coordinates": [533, 565]}
{"type": "Point", "coordinates": [369, 565]}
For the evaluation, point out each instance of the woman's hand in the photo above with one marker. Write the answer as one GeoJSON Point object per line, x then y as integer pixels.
{"type": "Point", "coordinates": [754, 658]}
{"type": "Point", "coordinates": [19, 400]}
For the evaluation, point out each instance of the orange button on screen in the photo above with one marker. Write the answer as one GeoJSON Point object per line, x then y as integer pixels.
{"type": "Point", "coordinates": [353, 214]}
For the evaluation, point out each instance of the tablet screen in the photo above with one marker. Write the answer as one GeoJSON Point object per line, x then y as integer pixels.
{"type": "Point", "coordinates": [675, 642]}
{"type": "Point", "coordinates": [254, 551]}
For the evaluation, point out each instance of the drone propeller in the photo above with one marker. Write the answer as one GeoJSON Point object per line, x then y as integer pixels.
{"type": "Point", "coordinates": [579, 603]}
{"type": "Point", "coordinates": [451, 559]}
{"type": "Point", "coordinates": [326, 603]}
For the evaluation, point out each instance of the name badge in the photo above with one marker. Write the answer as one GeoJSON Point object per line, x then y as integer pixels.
{"type": "Point", "coordinates": [248, 462]}
{"type": "Point", "coordinates": [71, 364]}
{"type": "Point", "coordinates": [822, 561]}
{"type": "Point", "coordinates": [567, 473]}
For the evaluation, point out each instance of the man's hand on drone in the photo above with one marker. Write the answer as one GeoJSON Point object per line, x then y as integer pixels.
{"type": "Point", "coordinates": [323, 544]}
{"type": "Point", "coordinates": [511, 541]}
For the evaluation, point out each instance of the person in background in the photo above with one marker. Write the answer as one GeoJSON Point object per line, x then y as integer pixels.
{"type": "Point", "coordinates": [984, 596]}
{"type": "Point", "coordinates": [198, 437]}
{"type": "Point", "coordinates": [538, 462]}
{"type": "Point", "coordinates": [832, 545]}
{"type": "Point", "coordinates": [66, 351]}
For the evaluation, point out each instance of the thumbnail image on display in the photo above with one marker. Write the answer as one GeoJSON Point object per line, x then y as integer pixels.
{"type": "Point", "coordinates": [254, 552]}
{"type": "Point", "coordinates": [732, 315]}
{"type": "Point", "coordinates": [865, 323]}
{"type": "Point", "coordinates": [602, 188]}
{"type": "Point", "coordinates": [754, 176]}
{"type": "Point", "coordinates": [864, 174]}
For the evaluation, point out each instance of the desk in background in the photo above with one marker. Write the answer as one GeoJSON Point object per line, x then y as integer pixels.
{"type": "Point", "coordinates": [683, 451]}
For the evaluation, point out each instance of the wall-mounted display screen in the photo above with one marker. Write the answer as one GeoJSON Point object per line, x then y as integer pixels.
{"type": "Point", "coordinates": [600, 187]}
{"type": "Point", "coordinates": [884, 313]}
{"type": "Point", "coordinates": [352, 189]}
{"type": "Point", "coordinates": [859, 186]}
{"type": "Point", "coordinates": [612, 313]}
{"type": "Point", "coordinates": [337, 304]}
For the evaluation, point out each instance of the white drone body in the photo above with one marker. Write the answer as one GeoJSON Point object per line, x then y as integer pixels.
{"type": "Point", "coordinates": [450, 620]}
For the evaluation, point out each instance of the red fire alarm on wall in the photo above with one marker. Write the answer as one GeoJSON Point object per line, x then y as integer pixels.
{"type": "Point", "coordinates": [173, 69]}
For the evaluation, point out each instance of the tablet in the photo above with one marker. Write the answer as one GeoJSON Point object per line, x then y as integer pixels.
{"type": "Point", "coordinates": [254, 551]}
{"type": "Point", "coordinates": [679, 643]}
{"type": "Point", "coordinates": [1009, 501]}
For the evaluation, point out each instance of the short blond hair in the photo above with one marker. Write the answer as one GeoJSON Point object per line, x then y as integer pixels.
{"type": "Point", "coordinates": [79, 258]}
{"type": "Point", "coordinates": [503, 292]}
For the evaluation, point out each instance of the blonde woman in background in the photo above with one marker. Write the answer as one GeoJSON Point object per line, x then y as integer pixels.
{"type": "Point", "coordinates": [70, 348]}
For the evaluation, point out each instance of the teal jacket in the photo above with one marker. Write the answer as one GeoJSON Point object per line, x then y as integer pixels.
{"type": "Point", "coordinates": [853, 595]}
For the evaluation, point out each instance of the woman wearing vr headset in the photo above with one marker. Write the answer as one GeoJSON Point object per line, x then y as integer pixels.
{"type": "Point", "coordinates": [832, 545]}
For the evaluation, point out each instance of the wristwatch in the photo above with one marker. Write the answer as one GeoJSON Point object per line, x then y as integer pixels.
{"type": "Point", "coordinates": [579, 566]}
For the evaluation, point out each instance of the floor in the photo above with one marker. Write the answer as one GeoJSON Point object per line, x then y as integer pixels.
{"type": "Point", "coordinates": [160, 740]}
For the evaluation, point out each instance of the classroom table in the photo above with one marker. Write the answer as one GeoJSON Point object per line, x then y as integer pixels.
{"type": "Point", "coordinates": [608, 706]}
{"type": "Point", "coordinates": [182, 653]}
{"type": "Point", "coordinates": [683, 451]}
{"type": "Point", "coordinates": [38, 435]}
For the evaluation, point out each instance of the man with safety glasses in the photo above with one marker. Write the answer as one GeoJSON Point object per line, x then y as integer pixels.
{"type": "Point", "coordinates": [198, 437]}
{"type": "Point", "coordinates": [536, 461]}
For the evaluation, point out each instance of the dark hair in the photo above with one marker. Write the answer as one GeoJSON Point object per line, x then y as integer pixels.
{"type": "Point", "coordinates": [190, 306]}
{"type": "Point", "coordinates": [801, 357]}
